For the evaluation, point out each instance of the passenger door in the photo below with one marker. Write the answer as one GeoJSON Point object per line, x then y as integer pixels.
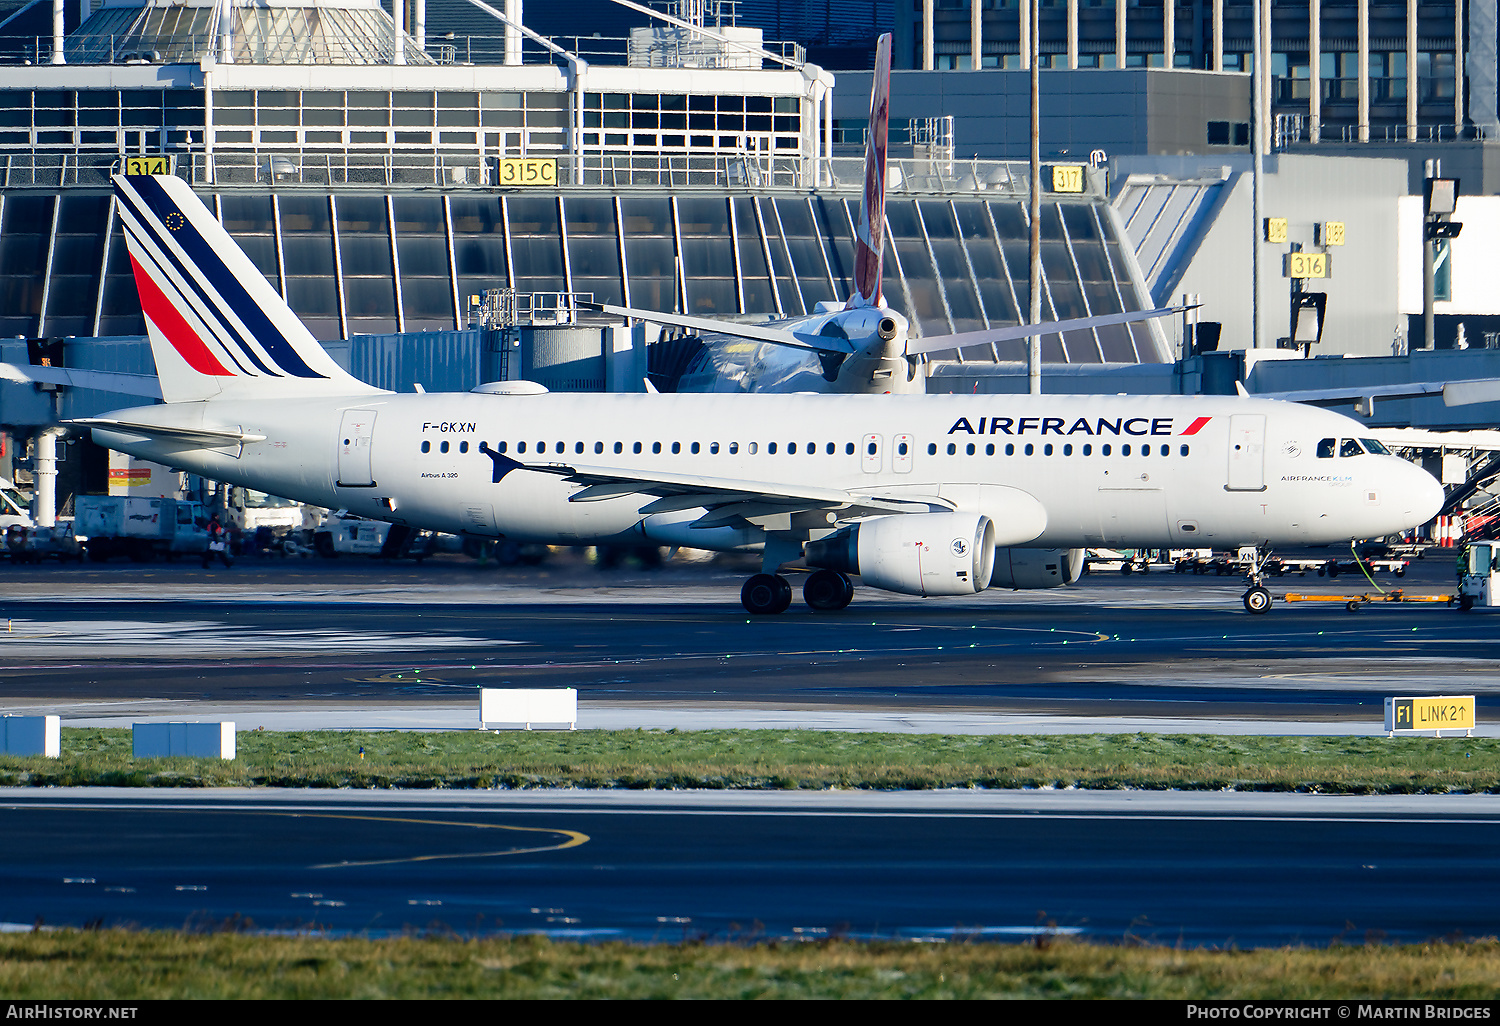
{"type": "Point", "coordinates": [1247, 453]}
{"type": "Point", "coordinates": [356, 437]}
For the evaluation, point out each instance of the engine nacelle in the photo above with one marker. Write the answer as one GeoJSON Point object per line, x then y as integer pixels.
{"type": "Point", "coordinates": [913, 553]}
{"type": "Point", "coordinates": [1036, 568]}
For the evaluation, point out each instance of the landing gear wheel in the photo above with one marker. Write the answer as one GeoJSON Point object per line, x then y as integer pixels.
{"type": "Point", "coordinates": [828, 590]}
{"type": "Point", "coordinates": [1465, 603]}
{"type": "Point", "coordinates": [765, 594]}
{"type": "Point", "coordinates": [1257, 600]}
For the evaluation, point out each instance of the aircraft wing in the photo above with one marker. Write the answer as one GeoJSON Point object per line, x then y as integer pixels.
{"type": "Point", "coordinates": [754, 332]}
{"type": "Point", "coordinates": [731, 499]}
{"type": "Point", "coordinates": [939, 343]}
{"type": "Point", "coordinates": [104, 381]}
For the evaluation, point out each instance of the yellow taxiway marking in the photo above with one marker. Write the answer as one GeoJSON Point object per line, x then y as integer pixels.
{"type": "Point", "coordinates": [574, 838]}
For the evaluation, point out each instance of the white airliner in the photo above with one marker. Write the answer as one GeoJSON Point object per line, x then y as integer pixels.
{"type": "Point", "coordinates": [858, 347]}
{"type": "Point", "coordinates": [920, 495]}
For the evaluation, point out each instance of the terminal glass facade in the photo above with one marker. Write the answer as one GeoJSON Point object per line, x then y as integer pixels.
{"type": "Point", "coordinates": [372, 261]}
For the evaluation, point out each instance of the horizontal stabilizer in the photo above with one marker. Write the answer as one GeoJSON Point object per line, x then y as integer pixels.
{"type": "Point", "coordinates": [208, 438]}
{"type": "Point", "coordinates": [103, 381]}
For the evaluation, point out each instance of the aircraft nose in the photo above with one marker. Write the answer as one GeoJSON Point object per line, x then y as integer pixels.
{"type": "Point", "coordinates": [1424, 496]}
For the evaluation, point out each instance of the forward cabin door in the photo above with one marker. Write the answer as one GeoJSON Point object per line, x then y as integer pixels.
{"type": "Point", "coordinates": [356, 435]}
{"type": "Point", "coordinates": [1247, 453]}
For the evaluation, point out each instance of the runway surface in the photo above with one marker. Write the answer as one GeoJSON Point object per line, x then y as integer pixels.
{"type": "Point", "coordinates": [1195, 869]}
{"type": "Point", "coordinates": [365, 644]}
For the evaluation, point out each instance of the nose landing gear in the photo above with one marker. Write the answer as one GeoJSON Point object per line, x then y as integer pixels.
{"type": "Point", "coordinates": [1257, 599]}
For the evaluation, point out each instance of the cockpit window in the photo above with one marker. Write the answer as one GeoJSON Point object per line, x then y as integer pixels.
{"type": "Point", "coordinates": [1326, 448]}
{"type": "Point", "coordinates": [1371, 445]}
{"type": "Point", "coordinates": [1349, 447]}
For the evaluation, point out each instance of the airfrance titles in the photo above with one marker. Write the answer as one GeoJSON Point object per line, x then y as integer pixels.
{"type": "Point", "coordinates": [1080, 426]}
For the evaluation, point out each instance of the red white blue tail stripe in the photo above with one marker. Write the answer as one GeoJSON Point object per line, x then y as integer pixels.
{"type": "Point", "coordinates": [212, 317]}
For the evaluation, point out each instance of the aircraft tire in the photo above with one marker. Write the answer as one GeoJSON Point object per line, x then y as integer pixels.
{"type": "Point", "coordinates": [828, 590]}
{"type": "Point", "coordinates": [1257, 600]}
{"type": "Point", "coordinates": [766, 594]}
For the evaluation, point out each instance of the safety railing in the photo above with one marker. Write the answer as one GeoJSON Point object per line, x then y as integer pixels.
{"type": "Point", "coordinates": [460, 169]}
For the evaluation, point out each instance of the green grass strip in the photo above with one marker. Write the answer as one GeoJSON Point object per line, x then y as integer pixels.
{"type": "Point", "coordinates": [125, 966]}
{"type": "Point", "coordinates": [783, 759]}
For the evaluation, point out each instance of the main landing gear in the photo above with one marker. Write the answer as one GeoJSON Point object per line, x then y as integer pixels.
{"type": "Point", "coordinates": [1257, 599]}
{"type": "Point", "coordinates": [824, 590]}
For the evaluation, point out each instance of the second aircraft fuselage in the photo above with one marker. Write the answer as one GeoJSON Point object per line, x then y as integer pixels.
{"type": "Point", "coordinates": [1141, 471]}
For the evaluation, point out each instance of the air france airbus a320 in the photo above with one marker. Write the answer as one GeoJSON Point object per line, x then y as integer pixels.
{"type": "Point", "coordinates": [920, 495]}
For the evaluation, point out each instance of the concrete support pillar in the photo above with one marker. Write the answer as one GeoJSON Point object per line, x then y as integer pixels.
{"type": "Point", "coordinates": [927, 6]}
{"type": "Point", "coordinates": [1315, 70]}
{"type": "Point", "coordinates": [1073, 34]}
{"type": "Point", "coordinates": [976, 33]}
{"type": "Point", "coordinates": [226, 32]}
{"type": "Point", "coordinates": [1025, 37]}
{"type": "Point", "coordinates": [1267, 91]}
{"type": "Point", "coordinates": [1458, 67]}
{"type": "Point", "coordinates": [1364, 70]}
{"type": "Point", "coordinates": [44, 449]}
{"type": "Point", "coordinates": [208, 122]}
{"type": "Point", "coordinates": [1411, 69]}
{"type": "Point", "coordinates": [1218, 35]}
{"type": "Point", "coordinates": [1482, 68]}
{"type": "Point", "coordinates": [1119, 33]}
{"type": "Point", "coordinates": [398, 13]}
{"type": "Point", "coordinates": [1168, 33]}
{"type": "Point", "coordinates": [58, 34]}
{"type": "Point", "coordinates": [513, 35]}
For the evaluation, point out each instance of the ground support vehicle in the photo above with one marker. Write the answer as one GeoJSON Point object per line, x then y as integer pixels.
{"type": "Point", "coordinates": [140, 528]}
{"type": "Point", "coordinates": [343, 533]}
{"type": "Point", "coordinates": [1354, 603]}
{"type": "Point", "coordinates": [34, 544]}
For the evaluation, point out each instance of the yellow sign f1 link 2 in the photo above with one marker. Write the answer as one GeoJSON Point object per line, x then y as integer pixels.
{"type": "Point", "coordinates": [1431, 712]}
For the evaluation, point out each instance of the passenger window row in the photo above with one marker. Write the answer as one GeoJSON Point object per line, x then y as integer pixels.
{"type": "Point", "coordinates": [831, 448]}
{"type": "Point", "coordinates": [676, 448]}
{"type": "Point", "coordinates": [1048, 449]}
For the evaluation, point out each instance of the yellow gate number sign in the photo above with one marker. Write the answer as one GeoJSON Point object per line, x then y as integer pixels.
{"type": "Point", "coordinates": [1276, 229]}
{"type": "Point", "coordinates": [527, 171]}
{"type": "Point", "coordinates": [1306, 265]}
{"type": "Point", "coordinates": [1067, 177]}
{"type": "Point", "coordinates": [1333, 233]}
{"type": "Point", "coordinates": [159, 164]}
{"type": "Point", "coordinates": [1433, 712]}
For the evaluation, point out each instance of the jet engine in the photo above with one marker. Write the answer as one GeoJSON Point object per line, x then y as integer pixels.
{"type": "Point", "coordinates": [913, 553]}
{"type": "Point", "coordinates": [1036, 568]}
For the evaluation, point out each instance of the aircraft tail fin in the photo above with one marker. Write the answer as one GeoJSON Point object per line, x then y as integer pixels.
{"type": "Point", "coordinates": [217, 327]}
{"type": "Point", "coordinates": [869, 239]}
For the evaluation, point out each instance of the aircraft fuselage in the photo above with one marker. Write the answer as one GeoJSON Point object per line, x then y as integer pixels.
{"type": "Point", "coordinates": [1144, 471]}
